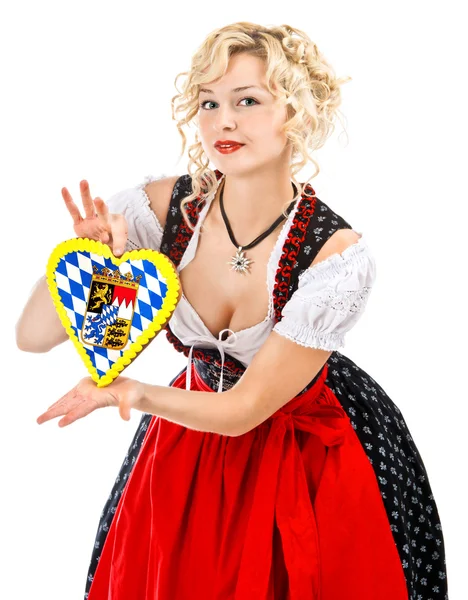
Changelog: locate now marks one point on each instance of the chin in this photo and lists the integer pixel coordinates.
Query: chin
(240, 168)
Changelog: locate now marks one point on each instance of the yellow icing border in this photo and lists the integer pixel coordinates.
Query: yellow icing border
(162, 263)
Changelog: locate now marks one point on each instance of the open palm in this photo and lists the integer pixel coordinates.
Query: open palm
(86, 397)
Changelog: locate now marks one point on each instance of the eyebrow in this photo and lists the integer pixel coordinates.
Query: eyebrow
(235, 90)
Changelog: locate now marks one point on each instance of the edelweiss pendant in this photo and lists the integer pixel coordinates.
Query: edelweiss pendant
(239, 262)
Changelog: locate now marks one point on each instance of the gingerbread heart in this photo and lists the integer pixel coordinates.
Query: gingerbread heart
(111, 307)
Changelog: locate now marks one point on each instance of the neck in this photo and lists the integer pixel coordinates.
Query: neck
(253, 201)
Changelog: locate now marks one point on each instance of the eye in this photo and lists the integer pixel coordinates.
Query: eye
(250, 99)
(202, 104)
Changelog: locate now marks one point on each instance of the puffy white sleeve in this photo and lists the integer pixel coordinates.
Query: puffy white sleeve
(330, 298)
(144, 228)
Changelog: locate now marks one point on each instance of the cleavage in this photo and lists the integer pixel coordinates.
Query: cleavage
(221, 297)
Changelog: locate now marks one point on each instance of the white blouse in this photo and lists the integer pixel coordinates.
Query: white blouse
(330, 297)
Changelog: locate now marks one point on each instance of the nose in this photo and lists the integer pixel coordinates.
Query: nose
(224, 118)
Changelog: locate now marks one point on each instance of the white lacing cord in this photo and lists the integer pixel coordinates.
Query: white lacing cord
(220, 344)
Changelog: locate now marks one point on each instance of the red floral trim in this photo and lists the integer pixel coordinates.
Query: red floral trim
(184, 233)
(291, 249)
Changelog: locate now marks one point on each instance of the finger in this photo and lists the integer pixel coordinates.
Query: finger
(88, 203)
(71, 206)
(77, 413)
(119, 232)
(101, 209)
(103, 213)
(50, 414)
(124, 410)
(61, 407)
(69, 395)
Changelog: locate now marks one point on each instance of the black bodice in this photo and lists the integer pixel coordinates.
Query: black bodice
(313, 224)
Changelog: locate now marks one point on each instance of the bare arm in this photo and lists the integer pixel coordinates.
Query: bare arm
(255, 397)
(39, 328)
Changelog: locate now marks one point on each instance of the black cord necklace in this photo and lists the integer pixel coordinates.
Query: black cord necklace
(239, 262)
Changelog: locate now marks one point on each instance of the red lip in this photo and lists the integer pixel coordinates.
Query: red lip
(229, 149)
(227, 142)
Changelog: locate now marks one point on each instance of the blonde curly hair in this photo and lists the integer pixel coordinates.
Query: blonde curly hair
(297, 75)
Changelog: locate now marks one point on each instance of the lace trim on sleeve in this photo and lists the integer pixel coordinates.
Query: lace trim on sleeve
(349, 301)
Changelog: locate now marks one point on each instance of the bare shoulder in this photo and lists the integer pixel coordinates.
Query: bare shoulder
(159, 193)
(336, 244)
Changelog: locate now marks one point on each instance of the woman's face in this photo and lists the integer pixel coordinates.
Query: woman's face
(251, 116)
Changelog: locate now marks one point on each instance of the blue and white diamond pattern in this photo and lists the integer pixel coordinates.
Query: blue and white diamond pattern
(109, 314)
(73, 276)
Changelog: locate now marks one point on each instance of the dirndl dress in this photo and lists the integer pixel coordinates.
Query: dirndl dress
(327, 499)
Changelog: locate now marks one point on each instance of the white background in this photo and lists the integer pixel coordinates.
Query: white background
(86, 95)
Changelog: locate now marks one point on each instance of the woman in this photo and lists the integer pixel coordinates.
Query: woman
(301, 479)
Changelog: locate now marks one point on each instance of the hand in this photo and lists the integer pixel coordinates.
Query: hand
(98, 224)
(86, 397)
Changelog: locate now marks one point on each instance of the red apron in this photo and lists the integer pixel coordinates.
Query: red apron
(291, 510)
